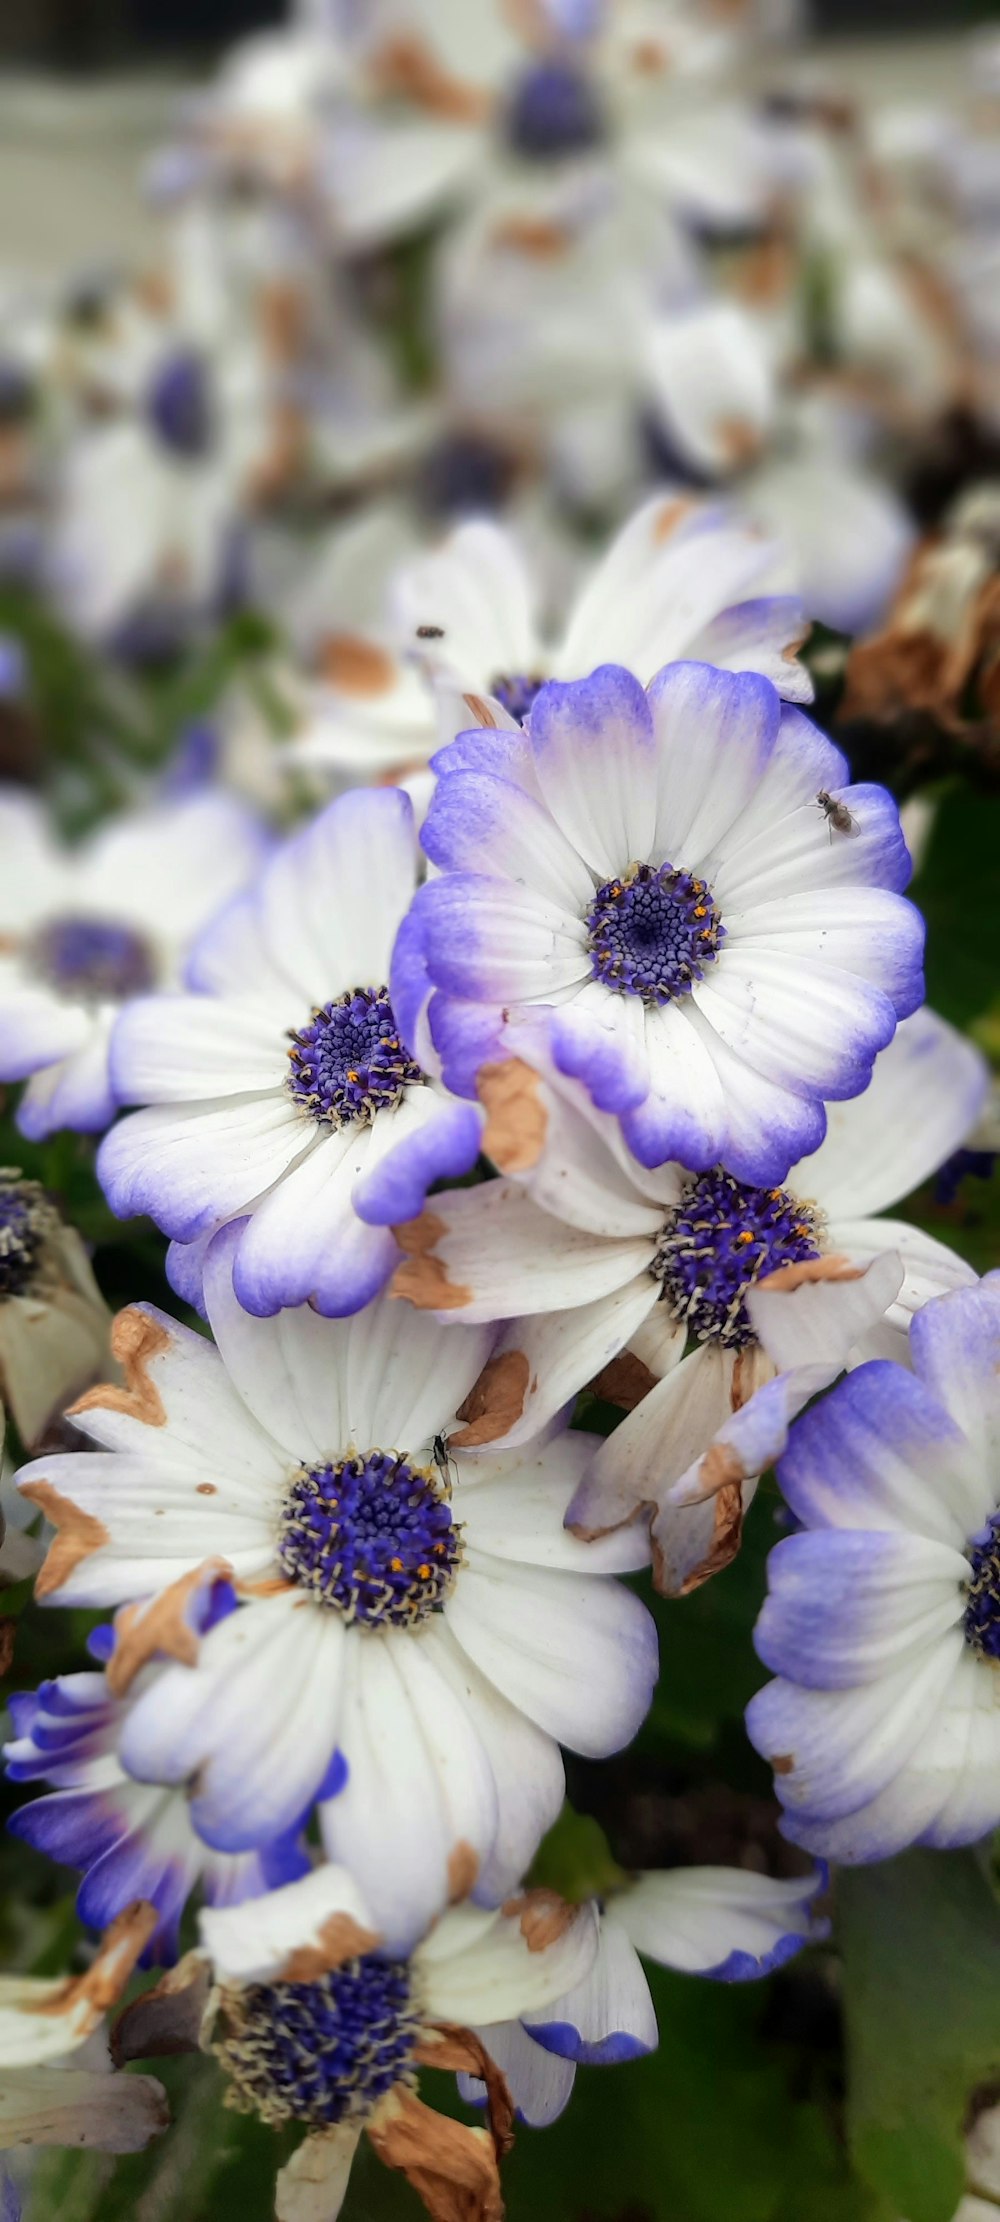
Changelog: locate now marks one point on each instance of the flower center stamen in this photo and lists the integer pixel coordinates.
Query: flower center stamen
(981, 1621)
(721, 1238)
(653, 932)
(321, 2052)
(179, 405)
(349, 1062)
(554, 110)
(373, 1537)
(93, 960)
(516, 690)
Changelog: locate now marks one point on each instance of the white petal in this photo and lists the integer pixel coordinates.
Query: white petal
(528, 1954)
(252, 1942)
(573, 1651)
(312, 2186)
(697, 1918)
(417, 1777)
(926, 1093)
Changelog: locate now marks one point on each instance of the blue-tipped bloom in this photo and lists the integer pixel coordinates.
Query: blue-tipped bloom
(280, 1090)
(82, 930)
(130, 1839)
(719, 1922)
(654, 871)
(882, 1619)
(415, 1632)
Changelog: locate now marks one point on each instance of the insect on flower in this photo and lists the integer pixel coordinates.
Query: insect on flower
(837, 815)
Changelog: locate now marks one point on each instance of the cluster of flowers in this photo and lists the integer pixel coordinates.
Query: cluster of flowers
(565, 1063)
(628, 265)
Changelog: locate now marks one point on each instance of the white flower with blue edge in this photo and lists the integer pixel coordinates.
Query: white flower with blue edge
(882, 1619)
(131, 1839)
(683, 577)
(315, 2019)
(83, 929)
(416, 1632)
(670, 1263)
(655, 871)
(279, 1089)
(723, 1923)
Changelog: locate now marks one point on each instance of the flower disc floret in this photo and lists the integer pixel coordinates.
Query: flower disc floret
(554, 110)
(373, 1537)
(25, 1221)
(653, 932)
(93, 960)
(322, 2052)
(981, 1621)
(180, 406)
(349, 1062)
(516, 691)
(723, 1237)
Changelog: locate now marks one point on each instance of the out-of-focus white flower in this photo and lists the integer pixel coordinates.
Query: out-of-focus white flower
(465, 630)
(56, 2082)
(85, 929)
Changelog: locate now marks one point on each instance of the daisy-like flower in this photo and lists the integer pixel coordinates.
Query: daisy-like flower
(316, 2019)
(667, 1263)
(720, 1922)
(416, 1631)
(280, 1087)
(882, 1619)
(85, 929)
(682, 578)
(54, 1322)
(56, 2083)
(131, 1839)
(657, 872)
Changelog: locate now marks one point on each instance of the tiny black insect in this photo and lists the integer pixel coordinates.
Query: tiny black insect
(430, 632)
(439, 1453)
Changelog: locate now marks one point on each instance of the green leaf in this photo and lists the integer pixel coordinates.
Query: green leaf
(921, 1943)
(958, 891)
(575, 1859)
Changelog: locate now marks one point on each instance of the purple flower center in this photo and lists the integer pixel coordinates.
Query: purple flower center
(554, 110)
(25, 1219)
(321, 2052)
(981, 1622)
(96, 960)
(722, 1238)
(516, 690)
(179, 406)
(653, 932)
(349, 1062)
(371, 1536)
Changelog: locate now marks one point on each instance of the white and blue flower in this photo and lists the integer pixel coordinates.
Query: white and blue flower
(683, 577)
(82, 930)
(279, 1089)
(655, 871)
(416, 1632)
(723, 1923)
(674, 1265)
(131, 1839)
(882, 1619)
(316, 2019)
